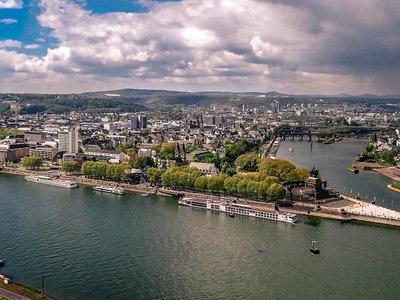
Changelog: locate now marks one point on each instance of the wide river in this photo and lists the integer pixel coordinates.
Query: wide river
(94, 246)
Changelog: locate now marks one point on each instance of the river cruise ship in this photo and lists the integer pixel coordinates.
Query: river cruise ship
(52, 181)
(232, 208)
(110, 190)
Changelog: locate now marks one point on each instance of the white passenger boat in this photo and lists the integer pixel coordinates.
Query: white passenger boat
(52, 181)
(239, 209)
(111, 190)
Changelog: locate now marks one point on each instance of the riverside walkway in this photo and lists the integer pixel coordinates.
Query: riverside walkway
(11, 295)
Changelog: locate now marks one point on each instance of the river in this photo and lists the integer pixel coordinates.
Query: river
(96, 246)
(332, 161)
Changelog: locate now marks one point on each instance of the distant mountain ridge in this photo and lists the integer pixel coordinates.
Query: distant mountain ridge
(147, 96)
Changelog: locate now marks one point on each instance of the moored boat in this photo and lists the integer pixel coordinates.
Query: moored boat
(52, 181)
(231, 208)
(110, 190)
(2, 262)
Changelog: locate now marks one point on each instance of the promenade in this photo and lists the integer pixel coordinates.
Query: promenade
(11, 295)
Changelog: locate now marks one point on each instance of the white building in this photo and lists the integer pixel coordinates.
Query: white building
(63, 141)
(73, 140)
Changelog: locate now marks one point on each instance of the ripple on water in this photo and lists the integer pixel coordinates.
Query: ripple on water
(93, 246)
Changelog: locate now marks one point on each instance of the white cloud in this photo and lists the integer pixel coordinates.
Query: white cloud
(31, 46)
(10, 44)
(294, 46)
(8, 21)
(11, 4)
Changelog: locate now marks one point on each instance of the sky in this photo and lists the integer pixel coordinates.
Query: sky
(290, 46)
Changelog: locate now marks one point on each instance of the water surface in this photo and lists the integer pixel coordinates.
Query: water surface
(332, 161)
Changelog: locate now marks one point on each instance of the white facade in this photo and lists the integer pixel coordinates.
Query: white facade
(63, 141)
(73, 140)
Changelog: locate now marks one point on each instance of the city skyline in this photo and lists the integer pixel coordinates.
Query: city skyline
(294, 47)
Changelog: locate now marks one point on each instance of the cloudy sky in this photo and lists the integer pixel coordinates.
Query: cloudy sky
(292, 46)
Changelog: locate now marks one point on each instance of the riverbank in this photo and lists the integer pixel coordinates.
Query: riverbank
(357, 209)
(16, 291)
(378, 168)
(392, 188)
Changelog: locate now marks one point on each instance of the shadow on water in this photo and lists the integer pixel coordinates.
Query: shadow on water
(312, 221)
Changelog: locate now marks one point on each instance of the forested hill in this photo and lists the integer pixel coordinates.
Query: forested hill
(58, 104)
(132, 100)
(230, 98)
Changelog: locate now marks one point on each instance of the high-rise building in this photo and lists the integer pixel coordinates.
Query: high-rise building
(73, 140)
(142, 121)
(133, 122)
(63, 141)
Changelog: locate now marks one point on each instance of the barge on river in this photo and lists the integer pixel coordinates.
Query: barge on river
(232, 208)
(110, 190)
(52, 181)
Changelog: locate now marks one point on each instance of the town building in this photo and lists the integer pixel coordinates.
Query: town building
(205, 168)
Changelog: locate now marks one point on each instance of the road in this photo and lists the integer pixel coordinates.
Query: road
(10, 295)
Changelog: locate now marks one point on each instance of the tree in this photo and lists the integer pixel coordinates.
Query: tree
(252, 188)
(12, 132)
(228, 169)
(71, 166)
(143, 162)
(154, 175)
(242, 187)
(32, 162)
(230, 184)
(276, 192)
(275, 167)
(247, 162)
(297, 175)
(181, 177)
(125, 147)
(282, 129)
(105, 171)
(210, 158)
(234, 149)
(201, 183)
(215, 183)
(167, 150)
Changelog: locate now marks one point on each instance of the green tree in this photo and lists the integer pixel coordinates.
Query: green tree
(247, 162)
(231, 183)
(275, 167)
(125, 147)
(297, 175)
(32, 162)
(242, 187)
(201, 183)
(253, 188)
(215, 183)
(276, 192)
(154, 175)
(143, 162)
(71, 166)
(167, 150)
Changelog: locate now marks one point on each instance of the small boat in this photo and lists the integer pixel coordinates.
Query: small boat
(314, 249)
(231, 216)
(353, 170)
(111, 190)
(2, 262)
